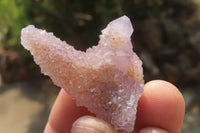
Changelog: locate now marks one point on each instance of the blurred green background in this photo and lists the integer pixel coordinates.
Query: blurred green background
(166, 37)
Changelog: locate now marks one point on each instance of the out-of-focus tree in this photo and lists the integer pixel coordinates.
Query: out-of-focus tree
(85, 18)
(12, 19)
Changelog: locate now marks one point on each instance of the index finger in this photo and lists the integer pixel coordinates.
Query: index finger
(64, 113)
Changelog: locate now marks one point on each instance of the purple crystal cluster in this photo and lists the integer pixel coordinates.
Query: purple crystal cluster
(107, 78)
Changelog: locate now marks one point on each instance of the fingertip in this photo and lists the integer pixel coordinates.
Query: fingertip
(89, 124)
(167, 91)
(161, 105)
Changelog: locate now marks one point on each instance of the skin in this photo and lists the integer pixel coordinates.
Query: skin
(160, 106)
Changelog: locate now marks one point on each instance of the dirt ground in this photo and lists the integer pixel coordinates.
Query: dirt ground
(25, 106)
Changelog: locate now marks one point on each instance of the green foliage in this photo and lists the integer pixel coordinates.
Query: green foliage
(12, 19)
(77, 17)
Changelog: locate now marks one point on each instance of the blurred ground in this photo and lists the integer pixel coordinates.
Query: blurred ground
(25, 106)
(192, 115)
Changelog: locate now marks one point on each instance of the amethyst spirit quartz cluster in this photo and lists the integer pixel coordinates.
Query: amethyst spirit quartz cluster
(107, 78)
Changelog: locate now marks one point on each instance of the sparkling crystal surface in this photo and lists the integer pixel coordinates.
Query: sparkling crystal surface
(107, 78)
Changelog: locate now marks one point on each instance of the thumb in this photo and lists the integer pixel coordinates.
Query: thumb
(89, 124)
(152, 130)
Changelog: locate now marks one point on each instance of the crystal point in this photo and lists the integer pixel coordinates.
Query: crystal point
(107, 78)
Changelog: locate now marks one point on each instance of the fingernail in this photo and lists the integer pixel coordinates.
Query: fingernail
(80, 129)
(89, 124)
(48, 129)
(152, 130)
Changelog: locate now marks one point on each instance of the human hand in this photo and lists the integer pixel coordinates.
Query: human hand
(161, 109)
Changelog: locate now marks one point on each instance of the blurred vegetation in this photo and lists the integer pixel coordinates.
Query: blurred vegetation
(77, 17)
(168, 46)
